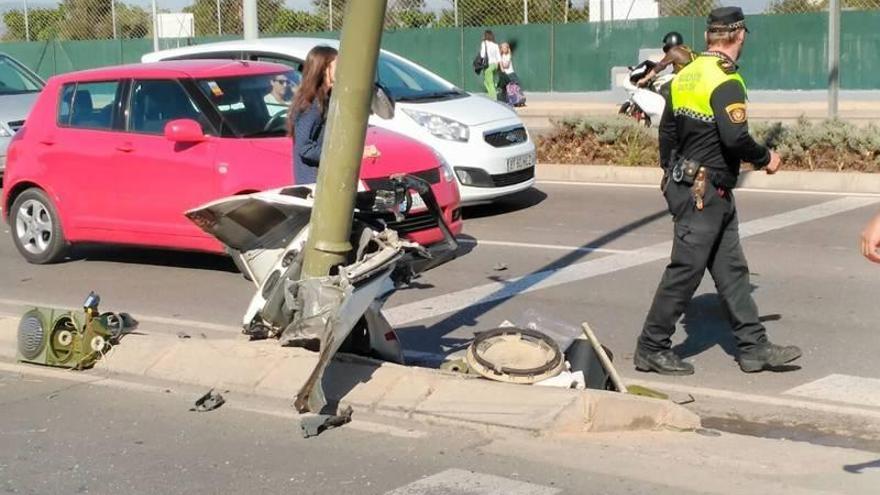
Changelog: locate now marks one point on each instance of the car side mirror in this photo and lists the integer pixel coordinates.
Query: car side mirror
(184, 131)
(382, 104)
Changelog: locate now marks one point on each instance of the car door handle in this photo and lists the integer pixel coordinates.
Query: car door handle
(47, 141)
(125, 147)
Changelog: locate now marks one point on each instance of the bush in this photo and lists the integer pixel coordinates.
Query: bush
(599, 140)
(828, 145)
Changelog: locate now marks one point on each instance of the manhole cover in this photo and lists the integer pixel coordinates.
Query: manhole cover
(515, 355)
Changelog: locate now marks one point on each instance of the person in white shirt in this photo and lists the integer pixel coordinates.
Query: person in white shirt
(490, 51)
(278, 99)
(507, 64)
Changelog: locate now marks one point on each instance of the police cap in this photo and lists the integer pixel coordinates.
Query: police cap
(726, 19)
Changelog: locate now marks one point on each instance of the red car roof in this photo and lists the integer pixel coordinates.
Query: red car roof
(175, 69)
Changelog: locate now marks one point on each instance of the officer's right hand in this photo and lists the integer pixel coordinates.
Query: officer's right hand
(775, 163)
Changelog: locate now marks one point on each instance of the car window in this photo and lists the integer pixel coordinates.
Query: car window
(65, 102)
(252, 105)
(405, 81)
(155, 103)
(91, 105)
(294, 64)
(15, 79)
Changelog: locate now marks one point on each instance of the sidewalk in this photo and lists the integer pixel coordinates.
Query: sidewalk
(266, 369)
(860, 107)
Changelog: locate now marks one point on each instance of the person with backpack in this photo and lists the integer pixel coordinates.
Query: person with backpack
(511, 91)
(488, 61)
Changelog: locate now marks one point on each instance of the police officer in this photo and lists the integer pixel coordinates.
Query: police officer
(704, 136)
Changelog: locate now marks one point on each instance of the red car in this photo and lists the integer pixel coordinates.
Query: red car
(118, 154)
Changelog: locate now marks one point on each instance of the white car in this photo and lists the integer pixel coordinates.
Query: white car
(485, 141)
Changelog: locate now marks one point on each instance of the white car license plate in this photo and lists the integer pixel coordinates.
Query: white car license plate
(520, 162)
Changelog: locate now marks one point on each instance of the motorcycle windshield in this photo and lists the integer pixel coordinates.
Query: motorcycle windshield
(264, 220)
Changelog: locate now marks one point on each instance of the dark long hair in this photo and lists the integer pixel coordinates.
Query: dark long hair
(312, 88)
(488, 35)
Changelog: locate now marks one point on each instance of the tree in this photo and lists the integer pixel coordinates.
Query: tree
(408, 14)
(686, 8)
(290, 21)
(42, 23)
(797, 6)
(86, 20)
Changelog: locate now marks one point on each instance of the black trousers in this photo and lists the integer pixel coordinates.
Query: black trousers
(703, 239)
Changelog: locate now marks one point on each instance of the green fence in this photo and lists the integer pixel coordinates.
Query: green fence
(785, 52)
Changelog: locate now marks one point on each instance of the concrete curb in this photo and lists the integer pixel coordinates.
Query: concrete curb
(835, 182)
(266, 369)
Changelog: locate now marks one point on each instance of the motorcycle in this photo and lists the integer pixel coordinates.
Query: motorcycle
(645, 105)
(267, 233)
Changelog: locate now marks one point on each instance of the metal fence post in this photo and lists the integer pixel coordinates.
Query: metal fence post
(565, 15)
(455, 10)
(331, 15)
(155, 26)
(251, 25)
(27, 24)
(113, 17)
(833, 57)
(525, 11)
(219, 22)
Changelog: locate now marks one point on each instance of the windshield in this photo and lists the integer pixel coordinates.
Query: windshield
(15, 79)
(252, 106)
(405, 81)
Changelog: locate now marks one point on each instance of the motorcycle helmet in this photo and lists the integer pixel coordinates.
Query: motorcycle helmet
(672, 38)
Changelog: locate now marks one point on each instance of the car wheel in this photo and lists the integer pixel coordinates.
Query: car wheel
(36, 228)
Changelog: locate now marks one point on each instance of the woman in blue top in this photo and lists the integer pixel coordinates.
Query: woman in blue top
(309, 114)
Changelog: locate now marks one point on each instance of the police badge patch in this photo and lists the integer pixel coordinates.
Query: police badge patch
(736, 112)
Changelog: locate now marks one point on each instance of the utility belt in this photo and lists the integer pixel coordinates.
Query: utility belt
(690, 173)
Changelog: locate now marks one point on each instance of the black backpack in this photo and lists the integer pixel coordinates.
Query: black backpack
(481, 62)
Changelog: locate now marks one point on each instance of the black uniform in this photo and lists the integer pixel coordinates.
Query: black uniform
(704, 131)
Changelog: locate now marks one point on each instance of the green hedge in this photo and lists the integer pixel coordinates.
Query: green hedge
(828, 145)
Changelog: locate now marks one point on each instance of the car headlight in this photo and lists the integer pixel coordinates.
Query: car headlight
(439, 126)
(5, 131)
(445, 167)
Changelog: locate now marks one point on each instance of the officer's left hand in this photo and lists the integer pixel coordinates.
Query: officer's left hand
(871, 239)
(775, 163)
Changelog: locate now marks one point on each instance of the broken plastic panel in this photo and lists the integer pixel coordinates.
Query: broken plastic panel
(266, 232)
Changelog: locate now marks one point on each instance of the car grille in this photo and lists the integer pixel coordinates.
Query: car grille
(414, 223)
(507, 137)
(432, 176)
(15, 125)
(512, 178)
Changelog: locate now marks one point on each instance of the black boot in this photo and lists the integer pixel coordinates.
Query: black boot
(767, 356)
(664, 362)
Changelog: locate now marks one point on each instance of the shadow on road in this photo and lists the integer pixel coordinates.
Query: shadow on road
(508, 204)
(434, 338)
(858, 468)
(155, 257)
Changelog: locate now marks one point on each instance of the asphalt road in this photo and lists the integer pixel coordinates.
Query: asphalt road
(558, 255)
(61, 436)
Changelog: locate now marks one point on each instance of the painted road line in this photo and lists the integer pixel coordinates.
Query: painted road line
(527, 245)
(162, 320)
(738, 189)
(461, 482)
(848, 389)
(487, 293)
(766, 400)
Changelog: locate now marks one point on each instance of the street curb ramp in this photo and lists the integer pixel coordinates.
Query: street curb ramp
(266, 369)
